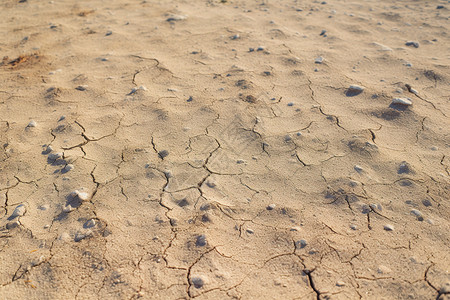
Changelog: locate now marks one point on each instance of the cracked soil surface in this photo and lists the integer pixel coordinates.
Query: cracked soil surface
(203, 149)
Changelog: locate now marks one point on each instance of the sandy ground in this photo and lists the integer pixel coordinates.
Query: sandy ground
(215, 150)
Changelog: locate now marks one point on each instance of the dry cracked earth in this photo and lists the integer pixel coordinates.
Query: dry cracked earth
(212, 150)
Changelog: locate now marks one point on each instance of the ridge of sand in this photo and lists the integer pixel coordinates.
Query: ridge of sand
(215, 150)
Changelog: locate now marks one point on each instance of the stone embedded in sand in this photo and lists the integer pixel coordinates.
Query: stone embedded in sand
(413, 44)
(401, 101)
(19, 211)
(353, 227)
(13, 224)
(250, 231)
(301, 244)
(68, 168)
(201, 241)
(340, 283)
(162, 154)
(82, 195)
(404, 168)
(271, 206)
(358, 169)
(68, 208)
(47, 150)
(354, 90)
(90, 223)
(32, 123)
(135, 89)
(318, 60)
(174, 18)
(383, 270)
(235, 37)
(416, 212)
(81, 88)
(55, 156)
(198, 282)
(426, 202)
(388, 227)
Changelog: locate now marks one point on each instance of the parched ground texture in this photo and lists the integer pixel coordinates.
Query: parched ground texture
(148, 152)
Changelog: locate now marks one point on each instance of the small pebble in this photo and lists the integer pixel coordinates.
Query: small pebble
(135, 89)
(201, 241)
(62, 118)
(32, 124)
(389, 227)
(43, 207)
(260, 48)
(322, 33)
(46, 226)
(190, 99)
(162, 154)
(68, 168)
(404, 168)
(235, 37)
(47, 150)
(271, 206)
(198, 282)
(402, 101)
(426, 202)
(301, 243)
(318, 60)
(55, 156)
(290, 104)
(416, 212)
(383, 270)
(299, 134)
(440, 7)
(83, 196)
(68, 208)
(287, 138)
(353, 227)
(109, 32)
(340, 283)
(413, 44)
(81, 88)
(19, 211)
(173, 18)
(358, 168)
(13, 224)
(354, 90)
(250, 231)
(90, 223)
(251, 49)
(434, 148)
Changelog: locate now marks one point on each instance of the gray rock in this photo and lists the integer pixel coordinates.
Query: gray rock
(412, 44)
(426, 202)
(201, 241)
(318, 60)
(19, 211)
(198, 282)
(354, 90)
(32, 123)
(271, 206)
(301, 244)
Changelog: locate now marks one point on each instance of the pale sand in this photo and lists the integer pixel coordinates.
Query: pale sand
(173, 174)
